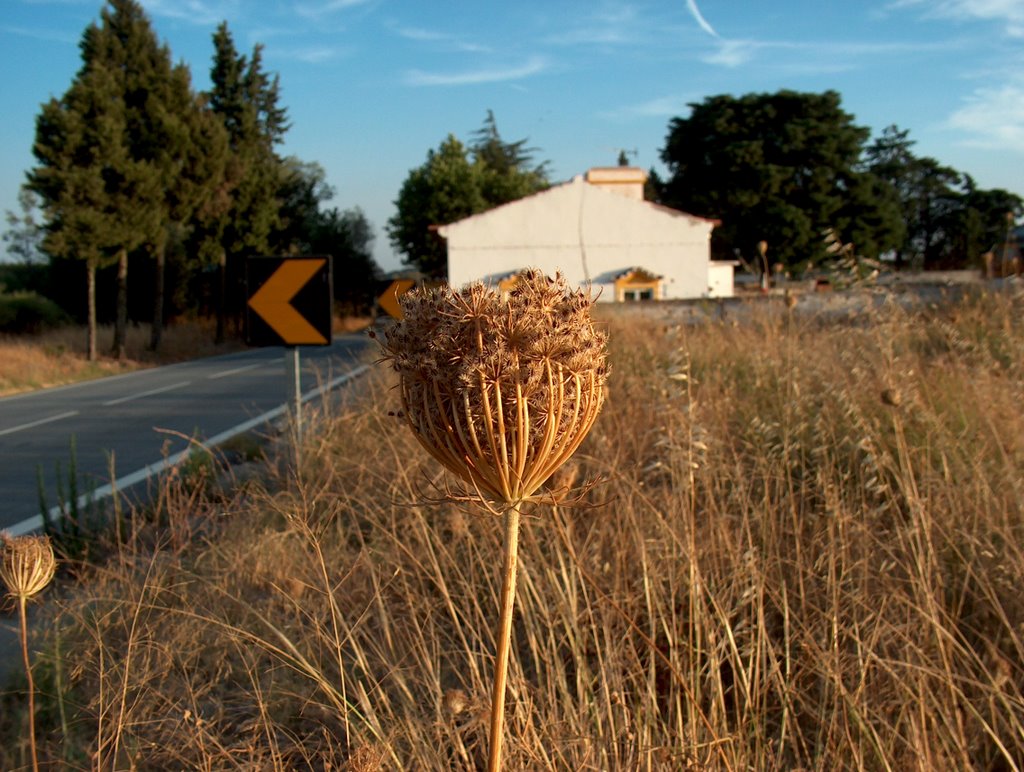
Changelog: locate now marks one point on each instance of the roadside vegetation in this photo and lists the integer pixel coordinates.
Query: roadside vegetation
(57, 356)
(805, 553)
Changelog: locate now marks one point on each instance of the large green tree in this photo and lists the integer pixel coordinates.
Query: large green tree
(99, 199)
(155, 158)
(348, 236)
(309, 227)
(246, 100)
(303, 190)
(507, 169)
(869, 220)
(986, 217)
(153, 93)
(192, 156)
(780, 168)
(949, 221)
(444, 189)
(454, 182)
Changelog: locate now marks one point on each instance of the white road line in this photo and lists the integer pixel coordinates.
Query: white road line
(35, 523)
(226, 373)
(40, 422)
(149, 393)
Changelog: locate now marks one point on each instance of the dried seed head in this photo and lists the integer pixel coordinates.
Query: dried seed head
(455, 701)
(27, 564)
(501, 389)
(892, 397)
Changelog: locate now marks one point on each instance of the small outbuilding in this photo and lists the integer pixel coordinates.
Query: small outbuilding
(596, 230)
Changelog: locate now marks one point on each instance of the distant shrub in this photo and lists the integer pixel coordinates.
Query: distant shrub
(29, 312)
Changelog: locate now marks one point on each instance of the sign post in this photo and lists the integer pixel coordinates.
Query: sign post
(293, 375)
(289, 305)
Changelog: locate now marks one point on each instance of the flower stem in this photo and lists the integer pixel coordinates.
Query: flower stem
(508, 597)
(22, 600)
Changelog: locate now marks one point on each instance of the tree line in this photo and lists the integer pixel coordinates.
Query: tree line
(793, 170)
(790, 177)
(135, 168)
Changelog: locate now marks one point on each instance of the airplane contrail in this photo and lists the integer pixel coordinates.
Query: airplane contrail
(699, 18)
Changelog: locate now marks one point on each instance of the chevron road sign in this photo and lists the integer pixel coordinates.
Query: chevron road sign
(389, 299)
(289, 301)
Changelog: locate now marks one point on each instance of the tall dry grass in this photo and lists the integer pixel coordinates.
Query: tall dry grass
(807, 555)
(56, 357)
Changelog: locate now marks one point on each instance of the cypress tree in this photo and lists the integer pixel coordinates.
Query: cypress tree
(507, 171)
(98, 200)
(245, 98)
(193, 160)
(125, 44)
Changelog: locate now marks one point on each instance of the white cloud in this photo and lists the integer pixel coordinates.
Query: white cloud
(728, 53)
(327, 7)
(310, 55)
(532, 66)
(48, 35)
(1008, 12)
(585, 36)
(612, 25)
(993, 118)
(449, 41)
(819, 55)
(57, 2)
(691, 6)
(616, 13)
(659, 107)
(732, 53)
(418, 33)
(200, 12)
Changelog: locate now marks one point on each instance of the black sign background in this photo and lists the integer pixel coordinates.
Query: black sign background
(312, 301)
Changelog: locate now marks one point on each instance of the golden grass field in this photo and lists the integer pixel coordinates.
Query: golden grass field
(805, 553)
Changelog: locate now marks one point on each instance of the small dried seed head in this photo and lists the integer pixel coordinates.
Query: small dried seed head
(892, 397)
(455, 701)
(27, 564)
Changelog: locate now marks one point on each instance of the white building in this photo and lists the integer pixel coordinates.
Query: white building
(596, 230)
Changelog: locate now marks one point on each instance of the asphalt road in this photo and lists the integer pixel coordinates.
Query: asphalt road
(137, 418)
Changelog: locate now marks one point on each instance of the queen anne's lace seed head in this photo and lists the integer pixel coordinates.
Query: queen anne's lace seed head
(27, 564)
(501, 389)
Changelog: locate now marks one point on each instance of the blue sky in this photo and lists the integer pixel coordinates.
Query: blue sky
(372, 85)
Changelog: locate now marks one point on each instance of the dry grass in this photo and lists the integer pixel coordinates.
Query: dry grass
(57, 357)
(789, 571)
(343, 324)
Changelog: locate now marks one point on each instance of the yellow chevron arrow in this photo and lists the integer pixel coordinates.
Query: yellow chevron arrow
(273, 302)
(389, 300)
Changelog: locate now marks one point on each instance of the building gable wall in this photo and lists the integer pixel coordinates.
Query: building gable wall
(589, 234)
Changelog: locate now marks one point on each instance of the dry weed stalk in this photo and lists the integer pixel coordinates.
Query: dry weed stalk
(501, 390)
(27, 566)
